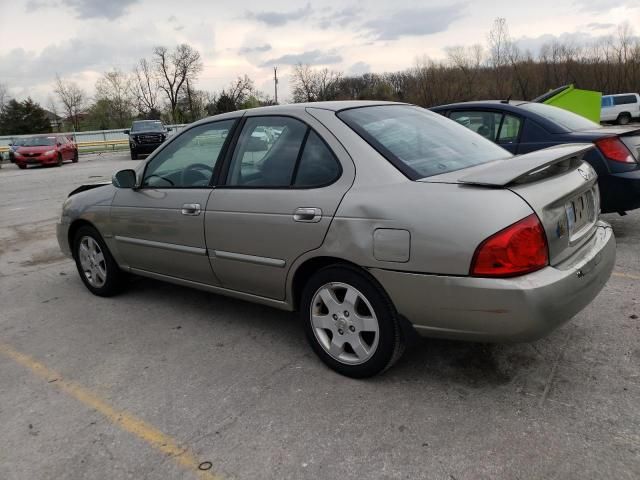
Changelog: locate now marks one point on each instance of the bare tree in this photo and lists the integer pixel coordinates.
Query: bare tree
(173, 69)
(144, 87)
(73, 99)
(53, 108)
(114, 87)
(241, 89)
(4, 96)
(311, 85)
(469, 61)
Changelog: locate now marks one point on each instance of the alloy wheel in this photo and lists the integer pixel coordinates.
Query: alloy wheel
(344, 323)
(92, 262)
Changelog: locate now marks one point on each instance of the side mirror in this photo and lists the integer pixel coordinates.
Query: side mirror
(10, 144)
(169, 129)
(126, 132)
(58, 144)
(124, 179)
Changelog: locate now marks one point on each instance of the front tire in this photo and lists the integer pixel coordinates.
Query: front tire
(134, 155)
(350, 322)
(97, 268)
(59, 164)
(75, 157)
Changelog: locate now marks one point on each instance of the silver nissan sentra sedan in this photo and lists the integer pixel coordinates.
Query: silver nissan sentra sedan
(371, 219)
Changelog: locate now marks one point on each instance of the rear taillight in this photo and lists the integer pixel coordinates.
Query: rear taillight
(518, 249)
(613, 149)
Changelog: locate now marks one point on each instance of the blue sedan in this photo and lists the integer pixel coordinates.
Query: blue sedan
(522, 127)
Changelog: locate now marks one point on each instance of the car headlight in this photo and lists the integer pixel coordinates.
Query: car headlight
(50, 152)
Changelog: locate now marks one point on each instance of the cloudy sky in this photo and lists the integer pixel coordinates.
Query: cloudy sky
(79, 39)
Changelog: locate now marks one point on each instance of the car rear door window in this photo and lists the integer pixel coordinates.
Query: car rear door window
(624, 99)
(267, 152)
(318, 166)
(510, 129)
(483, 123)
(189, 160)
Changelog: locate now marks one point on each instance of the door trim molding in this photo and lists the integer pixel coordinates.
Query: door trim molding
(241, 257)
(279, 304)
(165, 246)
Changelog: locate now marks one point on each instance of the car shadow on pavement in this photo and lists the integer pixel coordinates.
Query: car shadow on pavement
(468, 364)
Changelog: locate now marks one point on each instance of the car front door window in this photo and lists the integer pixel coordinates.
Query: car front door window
(188, 161)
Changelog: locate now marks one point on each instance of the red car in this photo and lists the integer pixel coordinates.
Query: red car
(45, 150)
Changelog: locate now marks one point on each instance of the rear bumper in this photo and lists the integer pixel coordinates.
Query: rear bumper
(516, 309)
(620, 192)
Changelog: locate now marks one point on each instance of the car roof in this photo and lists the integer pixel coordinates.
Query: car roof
(483, 103)
(292, 108)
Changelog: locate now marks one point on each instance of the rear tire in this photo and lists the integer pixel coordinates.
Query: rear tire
(350, 322)
(98, 270)
(21, 167)
(623, 119)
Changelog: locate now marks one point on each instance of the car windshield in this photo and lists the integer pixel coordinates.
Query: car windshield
(418, 142)
(146, 126)
(38, 141)
(569, 120)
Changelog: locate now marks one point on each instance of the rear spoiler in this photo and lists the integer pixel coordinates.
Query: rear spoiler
(501, 173)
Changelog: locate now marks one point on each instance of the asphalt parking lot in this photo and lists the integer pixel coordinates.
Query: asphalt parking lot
(160, 380)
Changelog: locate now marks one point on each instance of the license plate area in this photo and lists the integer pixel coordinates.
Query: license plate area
(581, 214)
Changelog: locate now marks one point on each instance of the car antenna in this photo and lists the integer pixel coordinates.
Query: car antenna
(507, 100)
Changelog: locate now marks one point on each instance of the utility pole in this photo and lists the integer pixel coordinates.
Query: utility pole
(275, 82)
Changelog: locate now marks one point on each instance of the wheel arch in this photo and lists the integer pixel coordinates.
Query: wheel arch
(308, 267)
(73, 229)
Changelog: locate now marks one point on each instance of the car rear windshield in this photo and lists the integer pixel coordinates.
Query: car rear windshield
(39, 141)
(418, 142)
(151, 125)
(569, 120)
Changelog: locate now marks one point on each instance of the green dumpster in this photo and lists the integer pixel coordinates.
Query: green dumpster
(586, 103)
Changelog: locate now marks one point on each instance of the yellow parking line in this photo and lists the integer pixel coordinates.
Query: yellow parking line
(154, 437)
(626, 275)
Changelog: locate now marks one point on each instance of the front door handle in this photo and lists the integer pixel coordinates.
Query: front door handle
(191, 209)
(309, 215)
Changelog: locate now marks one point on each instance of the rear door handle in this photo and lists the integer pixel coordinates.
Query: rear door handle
(307, 214)
(191, 209)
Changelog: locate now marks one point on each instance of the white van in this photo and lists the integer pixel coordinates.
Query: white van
(620, 108)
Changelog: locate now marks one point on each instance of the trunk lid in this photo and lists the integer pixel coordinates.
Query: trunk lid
(555, 182)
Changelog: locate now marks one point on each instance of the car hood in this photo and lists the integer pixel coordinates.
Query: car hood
(89, 186)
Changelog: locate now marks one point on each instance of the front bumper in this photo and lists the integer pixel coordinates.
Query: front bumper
(516, 309)
(143, 147)
(62, 232)
(40, 160)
